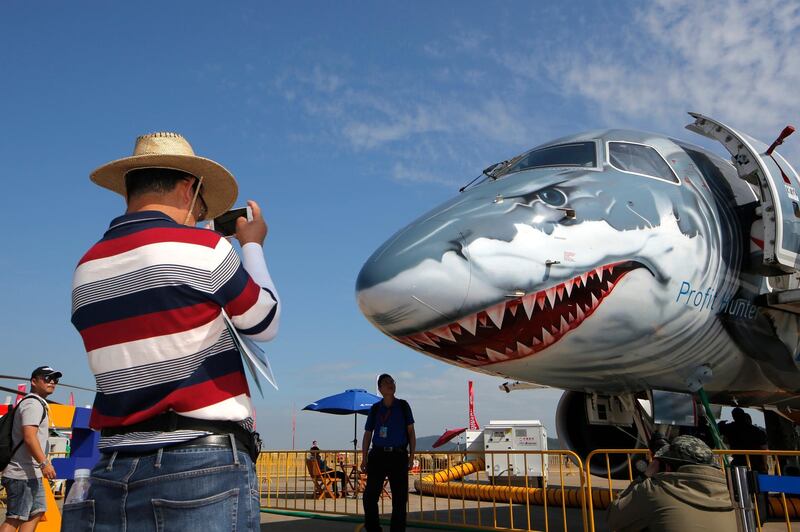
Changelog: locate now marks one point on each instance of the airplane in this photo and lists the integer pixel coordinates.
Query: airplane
(624, 267)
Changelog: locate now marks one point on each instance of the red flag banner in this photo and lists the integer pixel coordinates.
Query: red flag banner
(473, 421)
(21, 390)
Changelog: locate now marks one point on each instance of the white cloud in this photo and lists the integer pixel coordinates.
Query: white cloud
(428, 132)
(399, 126)
(735, 61)
(324, 81)
(493, 118)
(471, 99)
(403, 173)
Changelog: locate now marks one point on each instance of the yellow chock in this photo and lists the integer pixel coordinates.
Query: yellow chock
(51, 520)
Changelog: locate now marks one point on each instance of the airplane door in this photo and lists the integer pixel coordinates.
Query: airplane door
(779, 184)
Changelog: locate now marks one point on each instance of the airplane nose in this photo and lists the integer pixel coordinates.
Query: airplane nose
(416, 279)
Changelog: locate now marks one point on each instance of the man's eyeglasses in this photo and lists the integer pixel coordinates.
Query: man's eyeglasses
(48, 379)
(201, 214)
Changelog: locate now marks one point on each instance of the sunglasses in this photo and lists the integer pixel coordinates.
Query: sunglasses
(49, 379)
(202, 207)
(203, 211)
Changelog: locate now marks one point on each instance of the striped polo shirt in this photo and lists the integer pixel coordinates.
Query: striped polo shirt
(147, 300)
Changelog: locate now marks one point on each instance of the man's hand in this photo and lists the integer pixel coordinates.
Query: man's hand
(364, 465)
(652, 468)
(48, 471)
(254, 231)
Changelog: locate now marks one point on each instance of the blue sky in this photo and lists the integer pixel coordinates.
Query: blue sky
(346, 121)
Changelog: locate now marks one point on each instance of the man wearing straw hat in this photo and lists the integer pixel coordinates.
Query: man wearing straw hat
(150, 300)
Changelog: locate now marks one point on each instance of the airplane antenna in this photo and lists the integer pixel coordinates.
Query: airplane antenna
(788, 130)
(488, 172)
(462, 189)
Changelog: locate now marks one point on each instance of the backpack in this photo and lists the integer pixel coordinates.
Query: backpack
(7, 447)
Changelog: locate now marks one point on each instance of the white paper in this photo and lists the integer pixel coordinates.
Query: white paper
(253, 356)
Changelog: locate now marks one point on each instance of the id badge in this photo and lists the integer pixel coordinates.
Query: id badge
(384, 432)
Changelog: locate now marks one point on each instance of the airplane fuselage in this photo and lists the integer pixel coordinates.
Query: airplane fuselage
(609, 261)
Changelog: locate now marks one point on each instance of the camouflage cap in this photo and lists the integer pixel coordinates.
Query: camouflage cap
(686, 450)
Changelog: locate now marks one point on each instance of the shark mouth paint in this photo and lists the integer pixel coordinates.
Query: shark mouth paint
(522, 326)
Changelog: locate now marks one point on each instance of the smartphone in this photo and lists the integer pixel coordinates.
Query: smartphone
(225, 223)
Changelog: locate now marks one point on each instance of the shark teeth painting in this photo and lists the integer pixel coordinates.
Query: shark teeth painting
(505, 333)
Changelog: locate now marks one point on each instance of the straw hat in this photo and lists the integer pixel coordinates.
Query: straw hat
(171, 150)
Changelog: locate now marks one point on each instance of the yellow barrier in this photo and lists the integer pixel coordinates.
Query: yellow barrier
(454, 489)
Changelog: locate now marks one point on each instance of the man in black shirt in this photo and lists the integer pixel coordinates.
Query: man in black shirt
(390, 430)
(743, 435)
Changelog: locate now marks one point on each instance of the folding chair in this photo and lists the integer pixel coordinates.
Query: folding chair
(323, 482)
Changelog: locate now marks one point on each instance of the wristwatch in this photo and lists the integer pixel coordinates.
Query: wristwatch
(45, 463)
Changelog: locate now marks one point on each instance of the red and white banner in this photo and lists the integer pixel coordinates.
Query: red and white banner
(473, 421)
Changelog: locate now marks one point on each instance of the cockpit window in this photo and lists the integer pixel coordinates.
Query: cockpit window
(640, 159)
(580, 154)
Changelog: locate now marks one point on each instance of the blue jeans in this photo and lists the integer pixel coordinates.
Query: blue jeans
(25, 498)
(195, 488)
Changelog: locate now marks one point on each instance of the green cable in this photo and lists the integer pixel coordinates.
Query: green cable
(712, 423)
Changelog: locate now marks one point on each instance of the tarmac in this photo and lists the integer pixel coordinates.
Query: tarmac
(296, 511)
(300, 524)
(333, 523)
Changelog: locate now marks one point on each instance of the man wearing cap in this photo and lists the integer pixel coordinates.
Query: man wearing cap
(22, 478)
(156, 302)
(683, 489)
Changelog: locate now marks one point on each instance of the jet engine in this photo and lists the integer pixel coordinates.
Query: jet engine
(586, 422)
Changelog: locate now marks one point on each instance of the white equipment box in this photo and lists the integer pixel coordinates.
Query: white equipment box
(512, 435)
(474, 441)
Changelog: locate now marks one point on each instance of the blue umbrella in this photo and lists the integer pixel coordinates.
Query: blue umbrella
(348, 402)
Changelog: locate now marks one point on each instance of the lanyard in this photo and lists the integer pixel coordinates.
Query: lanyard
(385, 416)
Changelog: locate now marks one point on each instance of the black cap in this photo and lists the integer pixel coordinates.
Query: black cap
(45, 371)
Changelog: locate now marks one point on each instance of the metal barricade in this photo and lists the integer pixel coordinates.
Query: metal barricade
(777, 506)
(449, 489)
(288, 480)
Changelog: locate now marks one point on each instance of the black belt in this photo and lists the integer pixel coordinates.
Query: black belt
(390, 449)
(170, 422)
(213, 440)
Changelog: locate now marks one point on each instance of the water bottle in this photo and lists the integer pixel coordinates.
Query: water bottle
(80, 488)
